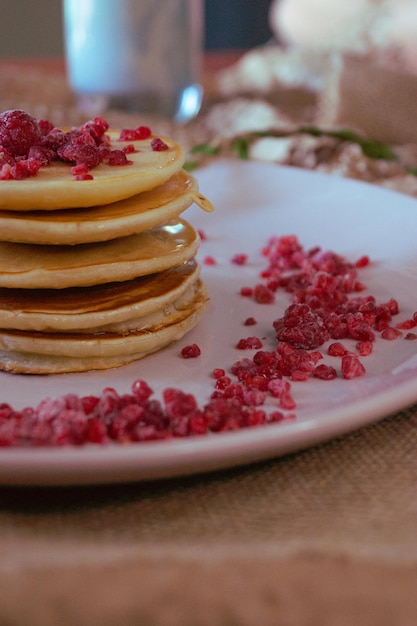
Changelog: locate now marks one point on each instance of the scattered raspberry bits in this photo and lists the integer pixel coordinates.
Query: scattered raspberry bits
(323, 334)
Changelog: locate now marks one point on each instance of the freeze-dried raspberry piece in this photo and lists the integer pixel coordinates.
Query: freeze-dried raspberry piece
(301, 327)
(191, 352)
(249, 343)
(80, 152)
(158, 145)
(135, 134)
(18, 132)
(352, 367)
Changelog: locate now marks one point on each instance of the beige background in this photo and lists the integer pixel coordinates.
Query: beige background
(29, 27)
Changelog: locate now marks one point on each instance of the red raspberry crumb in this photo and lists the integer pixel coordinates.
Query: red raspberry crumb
(141, 390)
(25, 168)
(239, 259)
(135, 134)
(191, 352)
(250, 343)
(263, 295)
(89, 403)
(299, 376)
(363, 261)
(179, 404)
(390, 333)
(158, 145)
(336, 349)
(84, 177)
(352, 367)
(287, 402)
(77, 170)
(81, 149)
(223, 382)
(365, 348)
(95, 431)
(276, 416)
(324, 372)
(250, 321)
(393, 307)
(406, 324)
(247, 292)
(209, 260)
(129, 149)
(118, 157)
(45, 127)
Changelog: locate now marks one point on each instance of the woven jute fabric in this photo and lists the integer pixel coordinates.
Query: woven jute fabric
(322, 537)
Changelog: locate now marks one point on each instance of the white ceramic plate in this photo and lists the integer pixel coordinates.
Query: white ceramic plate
(253, 201)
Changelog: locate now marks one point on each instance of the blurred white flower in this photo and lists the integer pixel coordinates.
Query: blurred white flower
(348, 25)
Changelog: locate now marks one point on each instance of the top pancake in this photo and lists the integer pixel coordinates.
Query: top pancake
(54, 187)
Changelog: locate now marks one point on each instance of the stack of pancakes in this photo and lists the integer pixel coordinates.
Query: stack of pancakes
(98, 273)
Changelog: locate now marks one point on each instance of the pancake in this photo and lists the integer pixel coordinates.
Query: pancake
(85, 308)
(55, 188)
(53, 353)
(119, 219)
(95, 274)
(27, 266)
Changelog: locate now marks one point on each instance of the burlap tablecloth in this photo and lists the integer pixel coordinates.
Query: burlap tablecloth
(324, 537)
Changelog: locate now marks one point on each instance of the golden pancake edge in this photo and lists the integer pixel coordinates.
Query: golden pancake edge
(97, 306)
(107, 221)
(27, 266)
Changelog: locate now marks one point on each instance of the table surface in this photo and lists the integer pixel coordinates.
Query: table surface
(325, 536)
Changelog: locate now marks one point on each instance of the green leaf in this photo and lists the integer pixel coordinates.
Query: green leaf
(241, 146)
(190, 166)
(205, 149)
